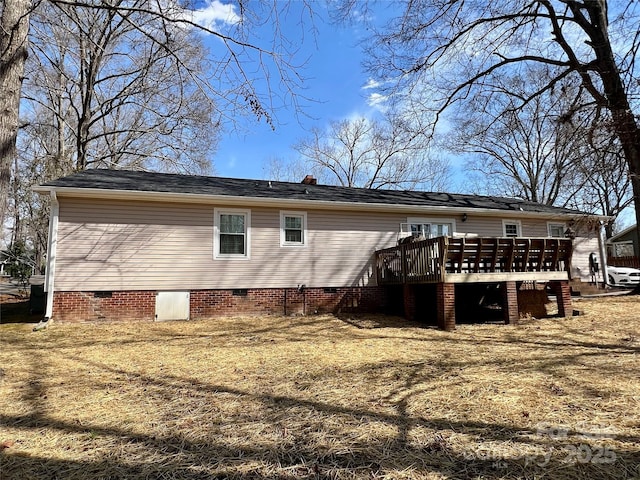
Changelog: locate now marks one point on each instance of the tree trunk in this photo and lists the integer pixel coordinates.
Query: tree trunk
(14, 27)
(624, 122)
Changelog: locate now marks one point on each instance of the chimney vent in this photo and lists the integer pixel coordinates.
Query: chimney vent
(309, 180)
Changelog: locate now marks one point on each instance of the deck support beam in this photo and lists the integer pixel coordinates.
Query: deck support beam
(510, 310)
(562, 291)
(446, 304)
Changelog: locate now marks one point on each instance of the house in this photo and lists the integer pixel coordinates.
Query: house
(128, 245)
(624, 244)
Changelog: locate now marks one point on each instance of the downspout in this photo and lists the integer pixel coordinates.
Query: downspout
(603, 255)
(51, 260)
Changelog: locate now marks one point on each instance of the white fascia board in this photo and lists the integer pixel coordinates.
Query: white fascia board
(293, 203)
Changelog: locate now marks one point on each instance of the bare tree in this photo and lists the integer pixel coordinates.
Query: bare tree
(538, 153)
(29, 211)
(372, 154)
(439, 54)
(249, 74)
(116, 97)
(607, 189)
(99, 93)
(286, 170)
(527, 151)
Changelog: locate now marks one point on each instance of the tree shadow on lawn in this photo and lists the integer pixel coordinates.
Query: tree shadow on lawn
(249, 332)
(366, 321)
(175, 454)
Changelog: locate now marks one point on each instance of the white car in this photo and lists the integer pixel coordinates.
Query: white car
(623, 276)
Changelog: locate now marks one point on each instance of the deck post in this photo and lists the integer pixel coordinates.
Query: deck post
(510, 310)
(409, 301)
(563, 297)
(446, 304)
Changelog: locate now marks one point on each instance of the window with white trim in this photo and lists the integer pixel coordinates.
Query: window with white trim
(428, 228)
(231, 233)
(293, 229)
(511, 228)
(556, 230)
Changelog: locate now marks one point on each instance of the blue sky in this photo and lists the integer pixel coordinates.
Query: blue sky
(335, 82)
(335, 85)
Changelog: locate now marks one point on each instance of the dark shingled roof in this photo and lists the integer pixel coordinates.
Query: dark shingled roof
(190, 184)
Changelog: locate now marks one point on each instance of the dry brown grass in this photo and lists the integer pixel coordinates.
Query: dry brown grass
(322, 397)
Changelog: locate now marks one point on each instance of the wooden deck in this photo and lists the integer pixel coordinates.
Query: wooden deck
(474, 260)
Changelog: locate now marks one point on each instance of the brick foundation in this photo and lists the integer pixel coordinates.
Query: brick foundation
(563, 296)
(446, 300)
(140, 305)
(510, 302)
(109, 306)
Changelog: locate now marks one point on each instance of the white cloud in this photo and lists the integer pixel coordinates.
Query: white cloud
(377, 101)
(371, 83)
(216, 14)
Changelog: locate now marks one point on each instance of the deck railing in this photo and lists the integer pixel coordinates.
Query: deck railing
(431, 260)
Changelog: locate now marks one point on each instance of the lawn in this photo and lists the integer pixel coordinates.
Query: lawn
(324, 397)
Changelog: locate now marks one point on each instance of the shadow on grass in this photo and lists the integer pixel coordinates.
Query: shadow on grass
(498, 450)
(175, 455)
(375, 321)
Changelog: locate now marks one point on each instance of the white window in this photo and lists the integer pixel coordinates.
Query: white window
(511, 228)
(293, 229)
(231, 233)
(623, 249)
(556, 230)
(428, 228)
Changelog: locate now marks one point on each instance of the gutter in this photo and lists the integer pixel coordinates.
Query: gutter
(49, 283)
(231, 200)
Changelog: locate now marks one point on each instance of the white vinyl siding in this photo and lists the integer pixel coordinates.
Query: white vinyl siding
(583, 246)
(119, 245)
(126, 245)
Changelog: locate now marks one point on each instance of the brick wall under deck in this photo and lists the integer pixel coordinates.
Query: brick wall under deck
(287, 301)
(140, 305)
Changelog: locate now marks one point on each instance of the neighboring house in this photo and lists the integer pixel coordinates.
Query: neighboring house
(624, 244)
(138, 246)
